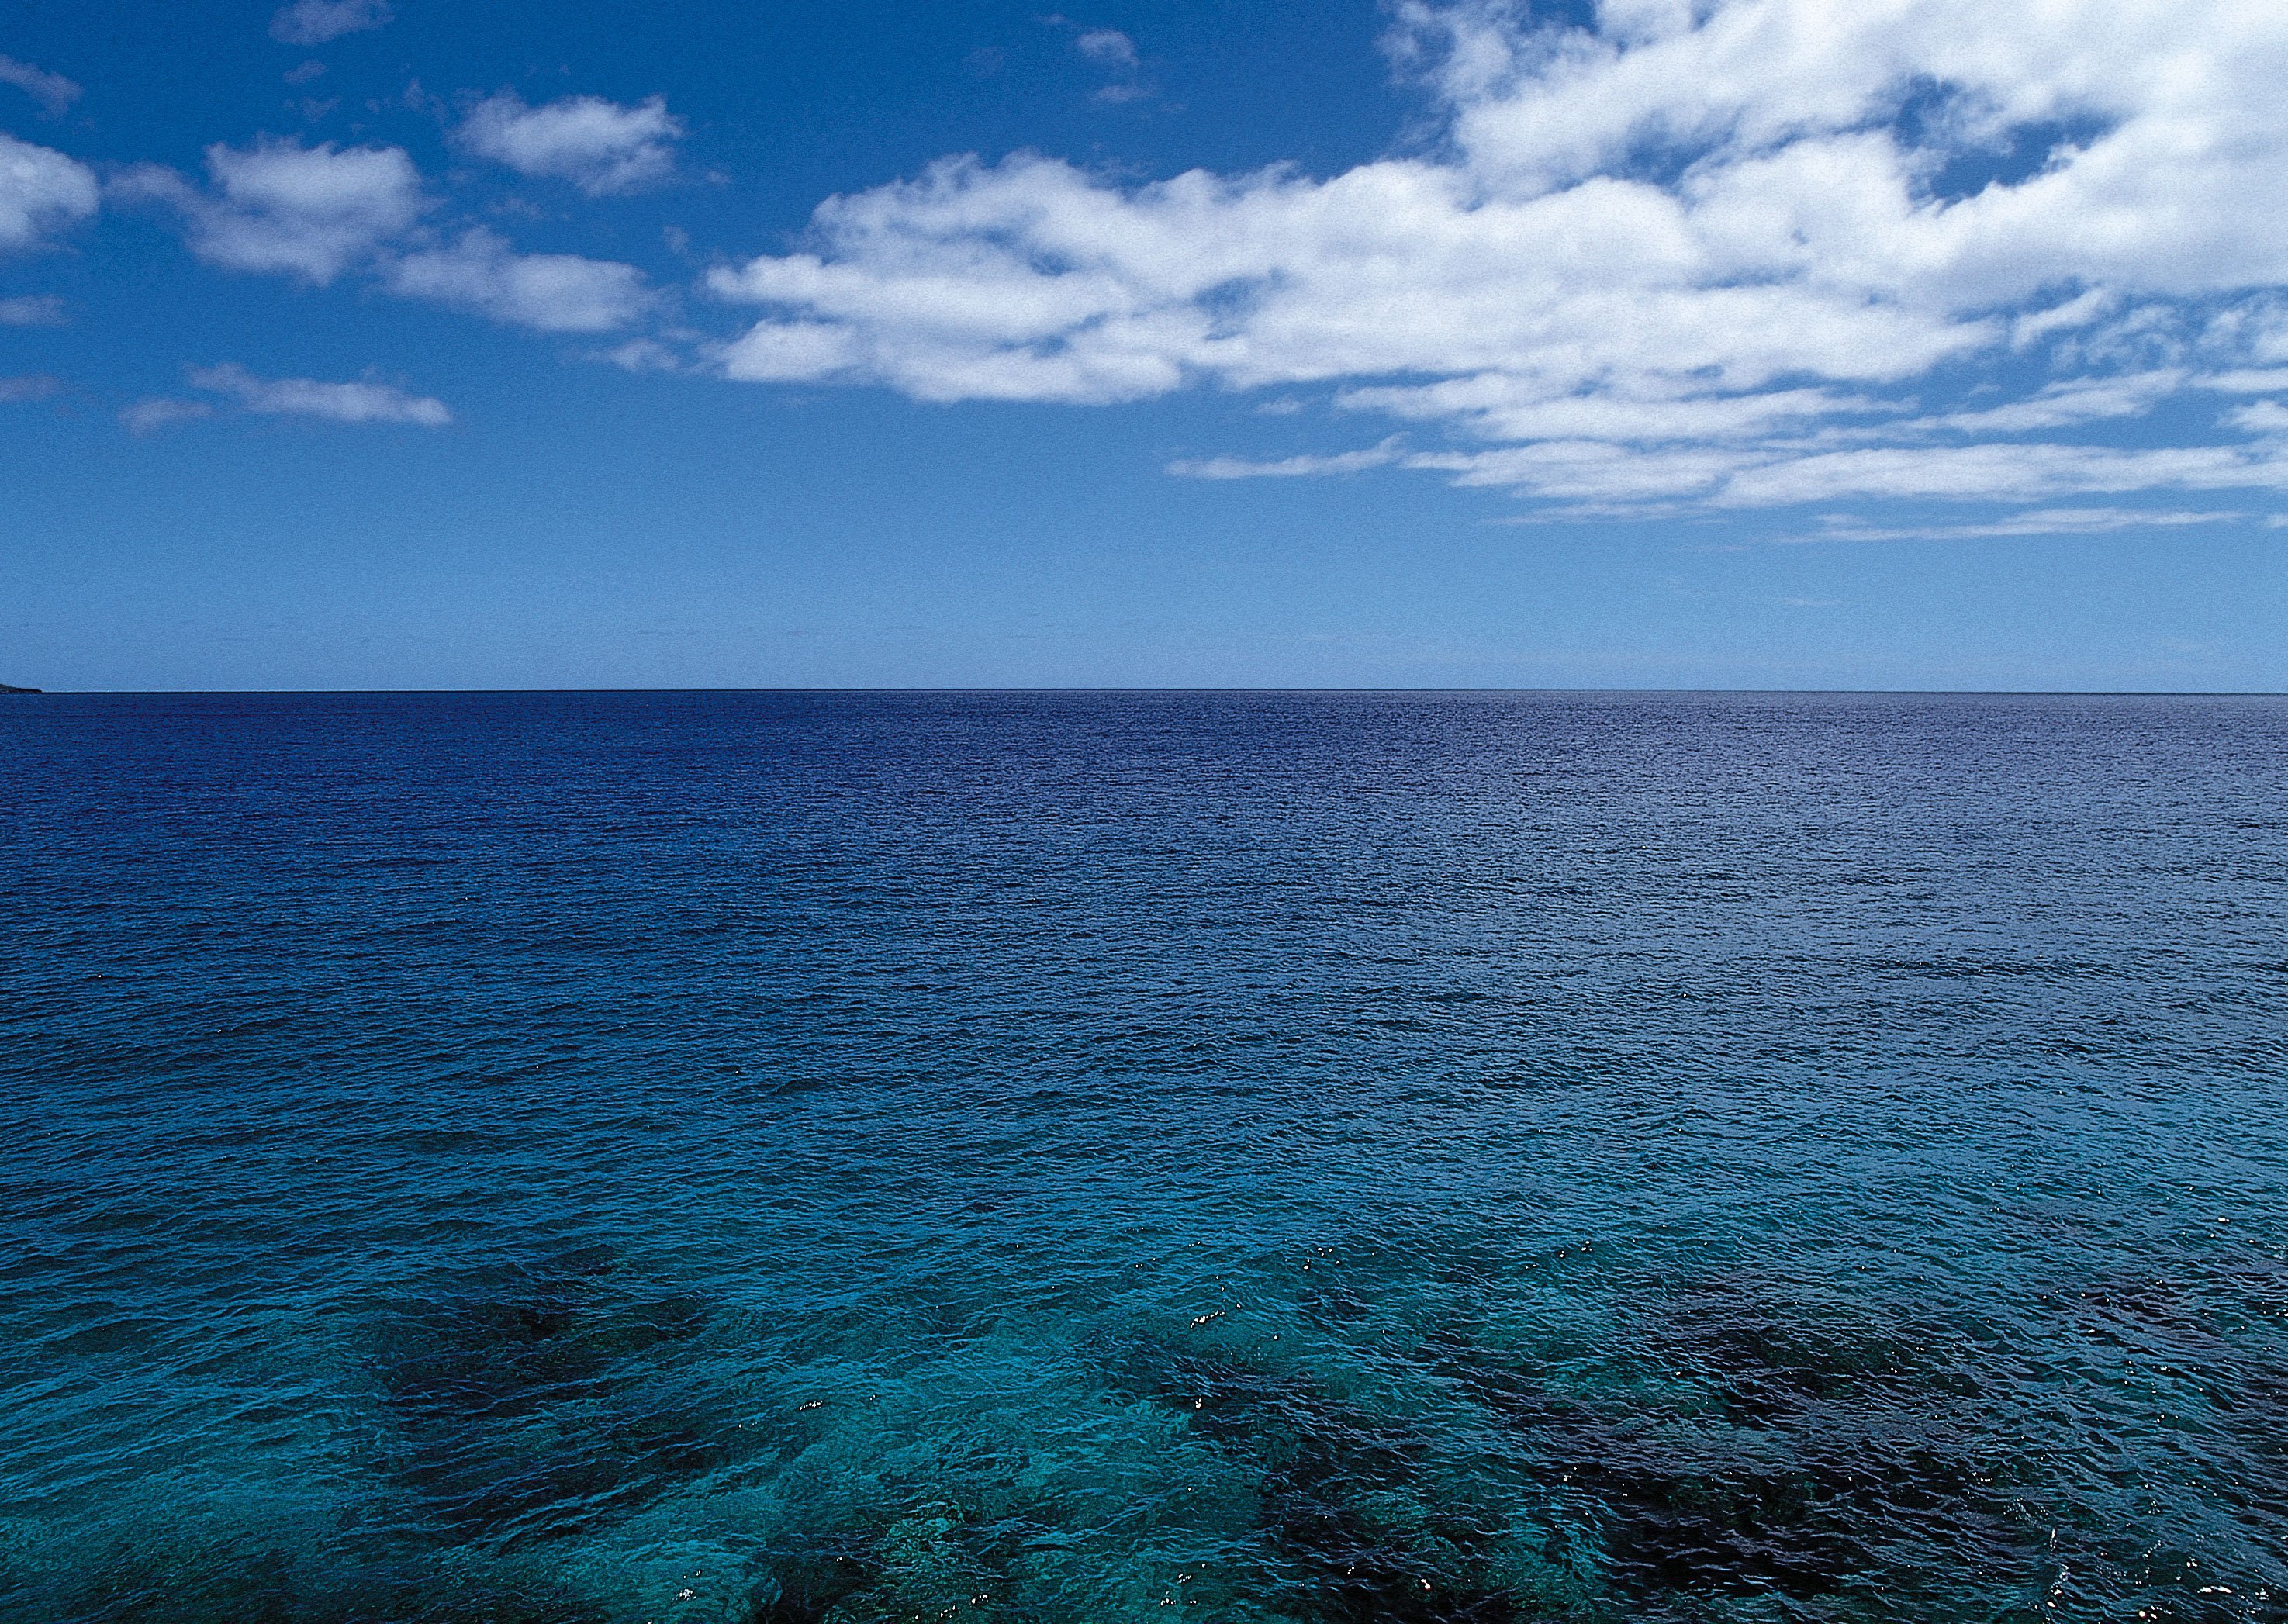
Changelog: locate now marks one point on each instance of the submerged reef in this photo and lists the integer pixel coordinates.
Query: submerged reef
(1740, 1453)
(532, 1402)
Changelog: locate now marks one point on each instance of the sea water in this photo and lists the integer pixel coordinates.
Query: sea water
(792, 1158)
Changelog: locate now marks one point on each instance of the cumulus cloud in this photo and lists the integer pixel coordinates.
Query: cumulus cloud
(308, 211)
(552, 293)
(52, 91)
(601, 147)
(301, 397)
(315, 22)
(316, 212)
(41, 192)
(789, 351)
(1745, 253)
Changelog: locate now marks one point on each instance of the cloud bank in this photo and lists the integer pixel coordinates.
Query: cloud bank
(1753, 254)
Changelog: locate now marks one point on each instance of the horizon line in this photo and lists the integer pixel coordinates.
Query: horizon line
(1172, 689)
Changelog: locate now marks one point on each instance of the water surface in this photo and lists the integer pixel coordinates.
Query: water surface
(799, 1158)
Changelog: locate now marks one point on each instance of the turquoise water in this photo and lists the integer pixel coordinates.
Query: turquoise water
(786, 1159)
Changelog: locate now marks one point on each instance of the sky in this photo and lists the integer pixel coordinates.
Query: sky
(1663, 343)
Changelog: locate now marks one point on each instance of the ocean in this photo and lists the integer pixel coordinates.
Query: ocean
(1082, 1158)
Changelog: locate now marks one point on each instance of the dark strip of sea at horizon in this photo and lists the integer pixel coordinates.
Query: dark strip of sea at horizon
(783, 1159)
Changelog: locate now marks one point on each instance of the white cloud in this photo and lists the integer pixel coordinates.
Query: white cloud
(32, 310)
(33, 386)
(2061, 404)
(2078, 311)
(52, 91)
(41, 191)
(1496, 406)
(1616, 477)
(553, 293)
(1287, 468)
(788, 351)
(308, 211)
(2248, 381)
(317, 212)
(1030, 278)
(1716, 254)
(149, 417)
(300, 397)
(315, 22)
(2262, 418)
(1109, 46)
(599, 145)
(2035, 521)
(644, 355)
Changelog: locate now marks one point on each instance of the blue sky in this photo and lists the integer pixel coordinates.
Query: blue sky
(1753, 344)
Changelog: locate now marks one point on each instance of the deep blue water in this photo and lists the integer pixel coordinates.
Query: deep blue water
(799, 1159)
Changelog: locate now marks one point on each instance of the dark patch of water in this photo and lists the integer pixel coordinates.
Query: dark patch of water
(530, 1401)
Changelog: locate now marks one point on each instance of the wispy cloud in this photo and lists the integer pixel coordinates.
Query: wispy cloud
(2065, 404)
(1288, 467)
(52, 91)
(1108, 49)
(1109, 46)
(317, 22)
(2263, 417)
(32, 310)
(149, 417)
(352, 402)
(2040, 521)
(2248, 381)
